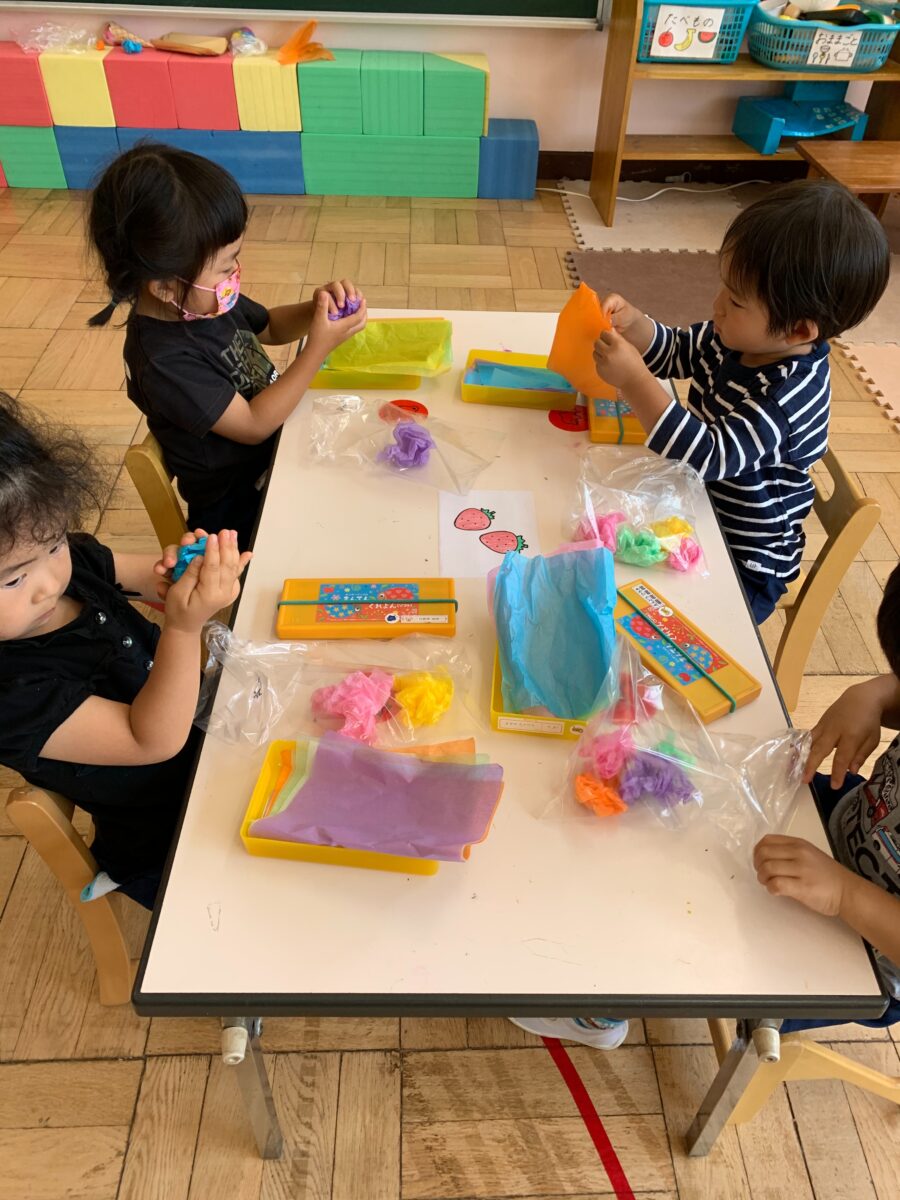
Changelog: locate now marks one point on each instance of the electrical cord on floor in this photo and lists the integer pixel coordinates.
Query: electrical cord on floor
(695, 191)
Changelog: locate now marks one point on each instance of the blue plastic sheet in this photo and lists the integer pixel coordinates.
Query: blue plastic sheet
(554, 619)
(499, 375)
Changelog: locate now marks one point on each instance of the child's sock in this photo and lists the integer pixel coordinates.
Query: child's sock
(99, 886)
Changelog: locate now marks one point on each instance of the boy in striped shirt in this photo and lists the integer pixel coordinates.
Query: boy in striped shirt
(799, 267)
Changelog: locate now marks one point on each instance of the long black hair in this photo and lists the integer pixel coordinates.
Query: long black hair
(160, 213)
(50, 480)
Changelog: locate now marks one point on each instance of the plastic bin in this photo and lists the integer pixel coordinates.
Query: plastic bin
(735, 17)
(789, 45)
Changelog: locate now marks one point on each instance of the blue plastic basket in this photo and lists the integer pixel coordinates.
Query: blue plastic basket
(735, 16)
(785, 45)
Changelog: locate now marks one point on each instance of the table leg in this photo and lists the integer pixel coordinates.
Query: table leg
(241, 1050)
(736, 1071)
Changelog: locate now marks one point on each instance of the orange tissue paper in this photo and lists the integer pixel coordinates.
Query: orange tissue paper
(572, 355)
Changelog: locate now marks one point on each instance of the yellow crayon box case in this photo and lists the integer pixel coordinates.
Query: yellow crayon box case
(361, 608)
(611, 420)
(269, 782)
(507, 722)
(510, 396)
(675, 649)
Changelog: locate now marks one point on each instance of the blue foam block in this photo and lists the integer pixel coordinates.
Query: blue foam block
(508, 163)
(84, 151)
(198, 141)
(261, 162)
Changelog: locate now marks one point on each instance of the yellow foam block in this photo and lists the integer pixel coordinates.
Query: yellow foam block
(267, 96)
(76, 87)
(480, 63)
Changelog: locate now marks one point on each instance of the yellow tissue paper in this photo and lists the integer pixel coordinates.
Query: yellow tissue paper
(670, 527)
(424, 696)
(398, 345)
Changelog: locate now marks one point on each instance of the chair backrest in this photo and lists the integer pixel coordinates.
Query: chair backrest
(151, 477)
(848, 518)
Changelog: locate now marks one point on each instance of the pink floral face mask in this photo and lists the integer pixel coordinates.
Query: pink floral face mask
(227, 293)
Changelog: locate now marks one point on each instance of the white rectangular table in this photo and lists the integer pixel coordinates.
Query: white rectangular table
(542, 919)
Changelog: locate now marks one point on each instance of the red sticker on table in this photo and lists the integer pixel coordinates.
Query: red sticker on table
(388, 412)
(574, 421)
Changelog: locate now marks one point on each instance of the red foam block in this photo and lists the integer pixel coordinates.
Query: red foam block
(204, 92)
(140, 88)
(23, 100)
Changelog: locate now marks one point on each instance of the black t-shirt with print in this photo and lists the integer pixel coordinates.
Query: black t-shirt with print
(107, 651)
(182, 375)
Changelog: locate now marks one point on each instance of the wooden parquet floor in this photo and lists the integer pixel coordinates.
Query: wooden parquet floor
(98, 1104)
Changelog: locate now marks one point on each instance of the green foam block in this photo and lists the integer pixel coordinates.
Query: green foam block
(454, 98)
(336, 165)
(331, 94)
(30, 157)
(392, 92)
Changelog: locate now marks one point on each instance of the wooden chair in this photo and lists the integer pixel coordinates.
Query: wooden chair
(799, 1059)
(848, 518)
(151, 477)
(45, 819)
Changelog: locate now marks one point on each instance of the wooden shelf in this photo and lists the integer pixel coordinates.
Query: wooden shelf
(724, 147)
(748, 70)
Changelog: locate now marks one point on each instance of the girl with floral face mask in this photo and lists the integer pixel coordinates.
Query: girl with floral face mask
(168, 227)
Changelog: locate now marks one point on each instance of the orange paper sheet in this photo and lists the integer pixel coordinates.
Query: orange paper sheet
(580, 324)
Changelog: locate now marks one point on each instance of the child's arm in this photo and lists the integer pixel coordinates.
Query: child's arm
(851, 727)
(667, 353)
(789, 866)
(253, 421)
(156, 724)
(751, 435)
(289, 322)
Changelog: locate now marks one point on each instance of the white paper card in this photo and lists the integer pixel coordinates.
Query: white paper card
(477, 530)
(833, 49)
(686, 32)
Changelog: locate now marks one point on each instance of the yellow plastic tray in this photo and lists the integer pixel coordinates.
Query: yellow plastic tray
(506, 722)
(362, 380)
(337, 856)
(371, 620)
(474, 393)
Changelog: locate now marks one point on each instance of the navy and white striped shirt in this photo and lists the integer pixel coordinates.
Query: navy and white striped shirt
(752, 433)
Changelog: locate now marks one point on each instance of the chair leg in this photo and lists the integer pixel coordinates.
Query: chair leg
(803, 1059)
(45, 822)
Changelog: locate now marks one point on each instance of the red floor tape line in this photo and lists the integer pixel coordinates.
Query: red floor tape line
(591, 1119)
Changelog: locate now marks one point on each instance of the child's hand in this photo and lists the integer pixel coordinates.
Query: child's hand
(789, 866)
(617, 361)
(620, 312)
(851, 727)
(169, 558)
(338, 292)
(325, 335)
(209, 584)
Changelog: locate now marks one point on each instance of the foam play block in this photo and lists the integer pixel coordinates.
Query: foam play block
(29, 157)
(455, 96)
(267, 163)
(23, 100)
(140, 88)
(267, 96)
(346, 165)
(76, 87)
(331, 93)
(509, 160)
(197, 141)
(204, 92)
(84, 152)
(392, 92)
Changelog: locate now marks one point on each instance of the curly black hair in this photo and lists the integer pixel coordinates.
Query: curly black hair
(49, 478)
